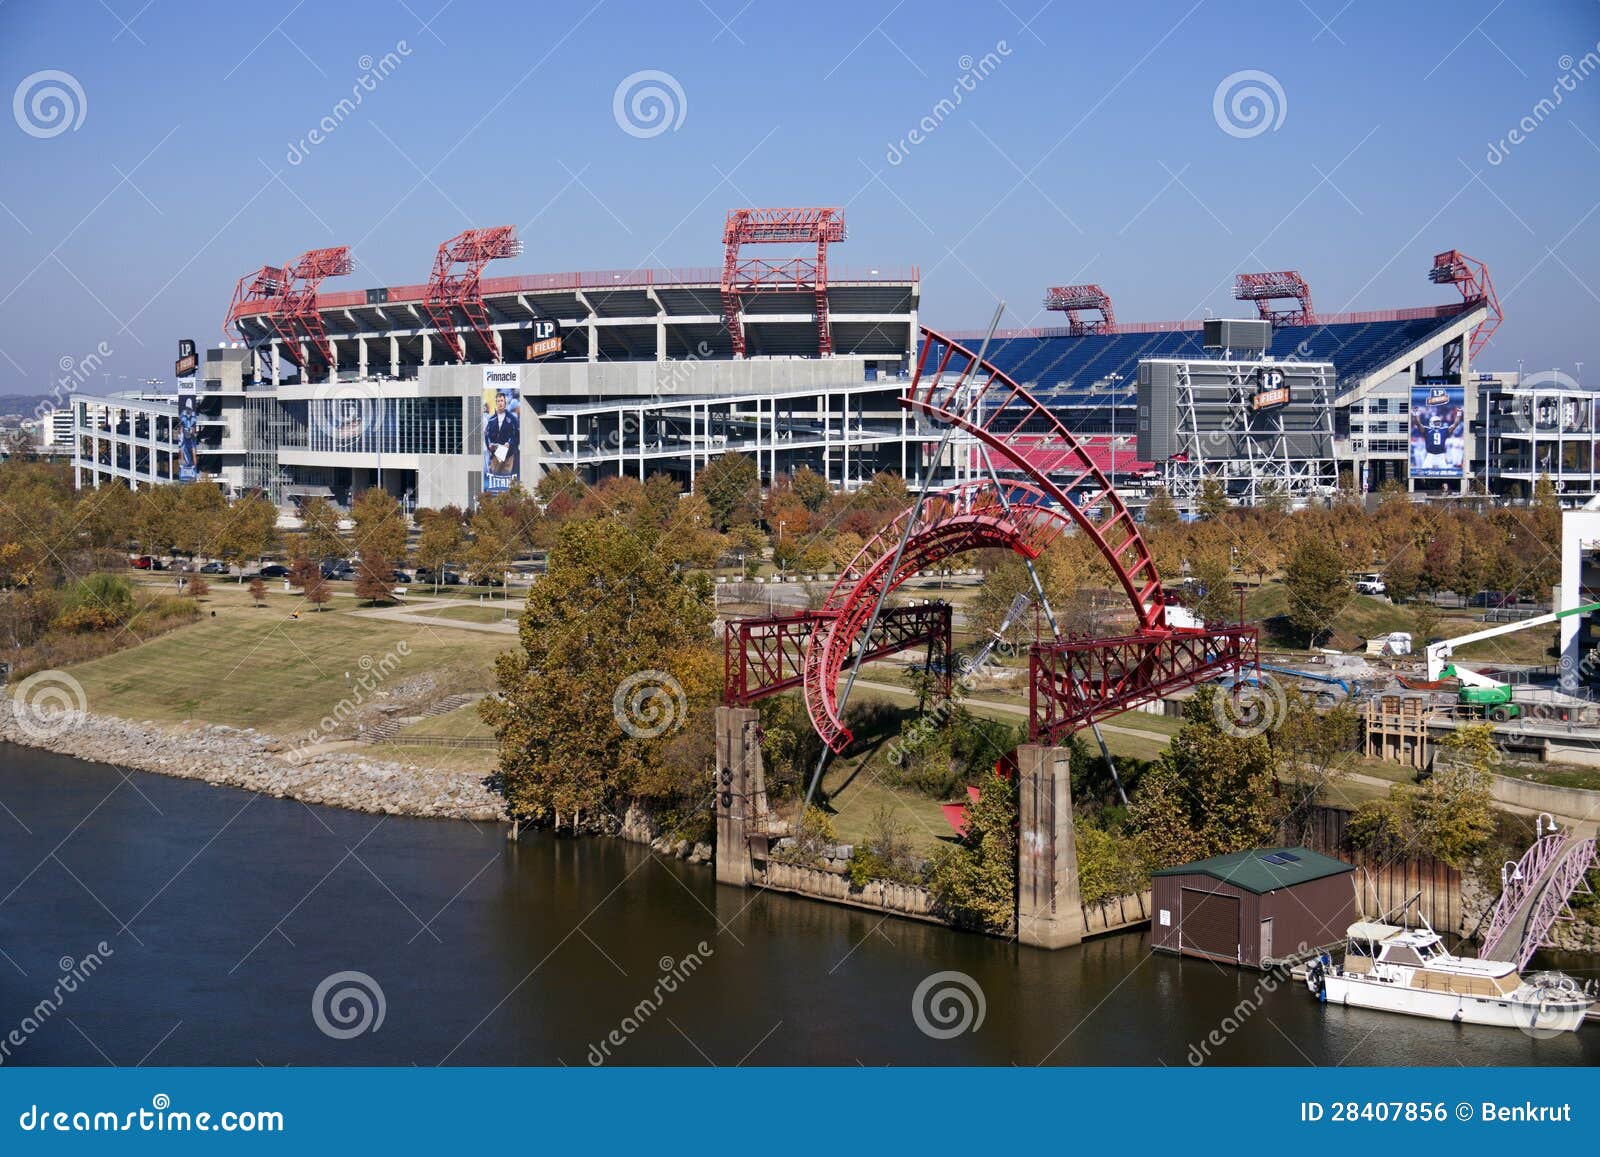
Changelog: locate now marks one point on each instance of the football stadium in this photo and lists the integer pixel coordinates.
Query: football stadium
(443, 389)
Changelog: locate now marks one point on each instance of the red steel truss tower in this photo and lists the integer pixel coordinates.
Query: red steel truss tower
(449, 290)
(1073, 299)
(754, 274)
(1265, 288)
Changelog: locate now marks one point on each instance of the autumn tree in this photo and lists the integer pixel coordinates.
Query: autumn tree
(1213, 499)
(610, 692)
(323, 537)
(1161, 513)
(441, 541)
(196, 587)
(380, 524)
(494, 543)
(200, 513)
(374, 578)
(258, 592)
(249, 531)
(1216, 602)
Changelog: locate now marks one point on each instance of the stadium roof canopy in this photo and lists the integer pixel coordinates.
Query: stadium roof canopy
(1365, 348)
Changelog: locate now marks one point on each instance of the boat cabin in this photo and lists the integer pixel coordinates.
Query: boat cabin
(1417, 958)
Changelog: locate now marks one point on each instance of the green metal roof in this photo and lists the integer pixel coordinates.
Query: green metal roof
(1261, 870)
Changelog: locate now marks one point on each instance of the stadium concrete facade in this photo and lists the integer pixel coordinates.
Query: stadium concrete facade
(658, 371)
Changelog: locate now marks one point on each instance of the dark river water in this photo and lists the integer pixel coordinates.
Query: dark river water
(224, 913)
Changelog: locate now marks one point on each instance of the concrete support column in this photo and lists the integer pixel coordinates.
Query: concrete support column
(361, 357)
(741, 792)
(499, 346)
(394, 357)
(1049, 907)
(333, 361)
(277, 362)
(427, 350)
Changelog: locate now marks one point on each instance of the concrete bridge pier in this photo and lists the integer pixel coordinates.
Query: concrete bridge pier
(741, 792)
(1049, 908)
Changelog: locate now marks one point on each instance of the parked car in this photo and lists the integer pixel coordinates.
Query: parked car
(1371, 586)
(1490, 599)
(214, 568)
(447, 578)
(341, 570)
(142, 562)
(274, 570)
(399, 576)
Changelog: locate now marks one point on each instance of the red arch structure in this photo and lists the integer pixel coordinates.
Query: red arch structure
(951, 522)
(1072, 682)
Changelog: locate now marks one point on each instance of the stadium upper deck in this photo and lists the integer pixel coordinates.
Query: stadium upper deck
(1364, 347)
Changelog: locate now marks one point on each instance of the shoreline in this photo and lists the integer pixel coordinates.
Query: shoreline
(251, 760)
(245, 758)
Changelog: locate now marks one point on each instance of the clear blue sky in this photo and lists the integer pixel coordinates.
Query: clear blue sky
(1089, 152)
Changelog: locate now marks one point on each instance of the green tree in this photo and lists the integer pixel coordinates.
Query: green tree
(1317, 586)
(732, 487)
(1109, 864)
(1211, 791)
(380, 525)
(615, 670)
(976, 881)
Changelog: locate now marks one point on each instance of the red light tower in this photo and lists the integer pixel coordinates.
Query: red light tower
(754, 274)
(1471, 277)
(449, 290)
(1265, 288)
(292, 294)
(1071, 299)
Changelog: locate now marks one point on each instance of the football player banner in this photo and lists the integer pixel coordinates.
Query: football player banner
(502, 428)
(188, 431)
(1438, 429)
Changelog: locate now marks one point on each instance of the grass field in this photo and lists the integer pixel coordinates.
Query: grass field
(474, 613)
(258, 667)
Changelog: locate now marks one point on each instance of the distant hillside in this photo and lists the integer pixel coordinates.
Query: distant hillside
(24, 405)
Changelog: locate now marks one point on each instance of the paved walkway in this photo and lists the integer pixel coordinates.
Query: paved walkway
(416, 611)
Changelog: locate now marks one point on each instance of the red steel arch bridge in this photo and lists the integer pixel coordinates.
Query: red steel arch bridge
(1073, 682)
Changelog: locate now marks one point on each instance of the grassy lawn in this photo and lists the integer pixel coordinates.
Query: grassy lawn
(257, 667)
(1558, 775)
(462, 723)
(475, 613)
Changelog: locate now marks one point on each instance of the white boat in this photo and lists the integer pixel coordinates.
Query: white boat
(1408, 970)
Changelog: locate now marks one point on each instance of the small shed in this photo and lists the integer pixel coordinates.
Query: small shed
(1255, 908)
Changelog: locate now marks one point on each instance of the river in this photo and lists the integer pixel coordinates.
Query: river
(223, 912)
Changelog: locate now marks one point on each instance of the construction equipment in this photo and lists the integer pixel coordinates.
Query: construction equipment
(1486, 696)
